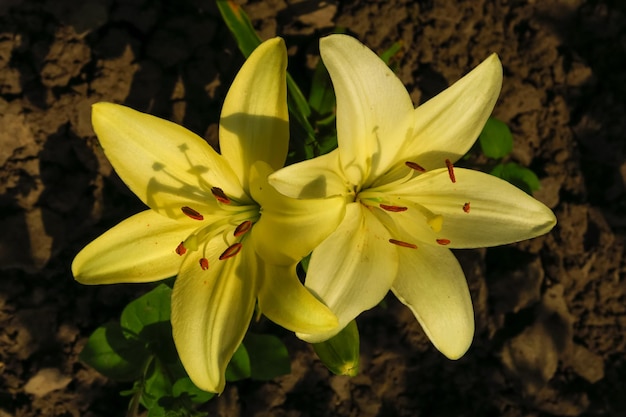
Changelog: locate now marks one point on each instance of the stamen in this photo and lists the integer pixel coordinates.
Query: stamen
(181, 249)
(231, 251)
(219, 195)
(204, 264)
(466, 207)
(443, 241)
(403, 244)
(415, 166)
(243, 228)
(450, 170)
(191, 213)
(395, 209)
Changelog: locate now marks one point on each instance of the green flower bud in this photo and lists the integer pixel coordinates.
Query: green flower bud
(340, 353)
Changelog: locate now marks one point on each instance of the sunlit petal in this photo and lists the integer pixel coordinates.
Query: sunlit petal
(374, 110)
(314, 178)
(290, 229)
(431, 283)
(211, 310)
(255, 126)
(353, 269)
(447, 125)
(497, 212)
(139, 249)
(163, 163)
(285, 301)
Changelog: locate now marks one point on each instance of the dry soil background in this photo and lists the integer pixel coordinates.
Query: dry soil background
(551, 313)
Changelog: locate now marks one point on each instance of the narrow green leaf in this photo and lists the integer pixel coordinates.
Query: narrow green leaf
(340, 354)
(113, 355)
(268, 356)
(392, 51)
(150, 308)
(240, 26)
(496, 140)
(521, 177)
(322, 95)
(239, 365)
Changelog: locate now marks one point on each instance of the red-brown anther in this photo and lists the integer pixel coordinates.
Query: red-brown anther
(395, 209)
(204, 264)
(231, 251)
(219, 195)
(466, 207)
(403, 244)
(181, 249)
(443, 241)
(415, 166)
(191, 213)
(243, 228)
(450, 170)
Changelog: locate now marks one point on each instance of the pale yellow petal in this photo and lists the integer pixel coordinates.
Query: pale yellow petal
(211, 310)
(139, 249)
(285, 301)
(431, 283)
(164, 164)
(254, 122)
(353, 269)
(314, 178)
(496, 213)
(289, 229)
(374, 110)
(447, 125)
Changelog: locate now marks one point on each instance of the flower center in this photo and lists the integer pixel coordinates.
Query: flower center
(394, 205)
(236, 222)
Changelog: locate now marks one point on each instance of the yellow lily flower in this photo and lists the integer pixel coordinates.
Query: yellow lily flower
(210, 215)
(406, 204)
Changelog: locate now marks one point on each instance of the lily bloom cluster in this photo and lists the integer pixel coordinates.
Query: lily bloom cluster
(378, 213)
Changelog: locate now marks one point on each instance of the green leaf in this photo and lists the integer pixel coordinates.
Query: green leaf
(340, 353)
(392, 51)
(113, 355)
(240, 26)
(298, 106)
(268, 356)
(239, 365)
(521, 177)
(152, 307)
(322, 95)
(184, 386)
(496, 140)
